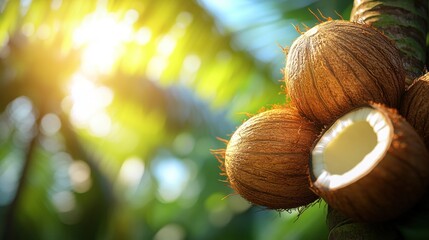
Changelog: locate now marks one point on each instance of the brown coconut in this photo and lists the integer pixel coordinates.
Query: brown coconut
(415, 107)
(266, 159)
(370, 164)
(338, 65)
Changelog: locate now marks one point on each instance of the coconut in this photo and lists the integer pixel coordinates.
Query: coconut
(370, 164)
(266, 159)
(339, 65)
(415, 107)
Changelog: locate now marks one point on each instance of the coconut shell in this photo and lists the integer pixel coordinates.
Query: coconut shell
(392, 186)
(266, 159)
(415, 107)
(339, 65)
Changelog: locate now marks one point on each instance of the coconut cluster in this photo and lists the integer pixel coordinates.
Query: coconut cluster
(341, 137)
(333, 74)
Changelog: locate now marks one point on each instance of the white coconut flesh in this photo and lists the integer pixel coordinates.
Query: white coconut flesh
(350, 148)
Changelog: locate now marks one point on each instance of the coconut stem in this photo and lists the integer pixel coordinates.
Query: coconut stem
(404, 22)
(341, 227)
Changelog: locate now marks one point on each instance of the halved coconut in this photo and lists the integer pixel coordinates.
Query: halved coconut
(370, 164)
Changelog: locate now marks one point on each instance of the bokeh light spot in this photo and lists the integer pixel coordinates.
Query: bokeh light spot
(50, 124)
(166, 45)
(184, 19)
(131, 16)
(80, 176)
(184, 143)
(170, 232)
(172, 175)
(56, 4)
(27, 29)
(21, 113)
(21, 109)
(44, 32)
(191, 63)
(156, 67)
(100, 124)
(9, 176)
(143, 35)
(64, 201)
(132, 171)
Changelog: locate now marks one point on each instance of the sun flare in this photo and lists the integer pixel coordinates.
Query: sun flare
(89, 102)
(102, 37)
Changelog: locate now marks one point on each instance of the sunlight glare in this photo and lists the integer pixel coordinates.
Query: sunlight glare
(103, 36)
(89, 102)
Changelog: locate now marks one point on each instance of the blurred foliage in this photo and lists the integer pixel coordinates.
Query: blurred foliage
(109, 110)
